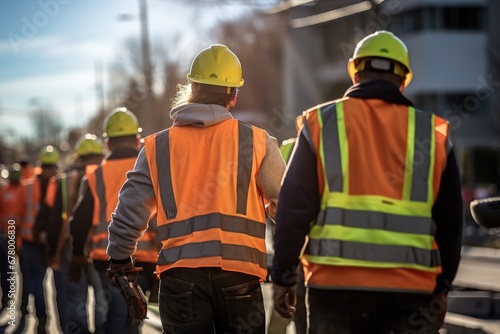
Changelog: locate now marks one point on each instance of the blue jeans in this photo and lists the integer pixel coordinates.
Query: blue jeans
(360, 312)
(211, 300)
(33, 267)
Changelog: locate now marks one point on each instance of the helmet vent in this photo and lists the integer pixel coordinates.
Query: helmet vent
(213, 75)
(384, 50)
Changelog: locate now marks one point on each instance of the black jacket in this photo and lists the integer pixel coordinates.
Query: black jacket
(299, 202)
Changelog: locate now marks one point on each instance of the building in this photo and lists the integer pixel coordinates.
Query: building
(455, 51)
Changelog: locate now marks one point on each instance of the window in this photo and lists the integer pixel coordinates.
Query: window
(452, 104)
(433, 18)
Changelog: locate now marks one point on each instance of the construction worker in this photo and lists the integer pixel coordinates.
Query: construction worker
(374, 186)
(32, 258)
(206, 178)
(11, 214)
(27, 169)
(93, 214)
(60, 198)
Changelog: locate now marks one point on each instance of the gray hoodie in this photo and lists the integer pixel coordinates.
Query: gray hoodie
(137, 202)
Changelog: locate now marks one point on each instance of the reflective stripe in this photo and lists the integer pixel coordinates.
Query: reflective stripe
(245, 162)
(330, 145)
(29, 203)
(211, 249)
(365, 254)
(378, 221)
(423, 154)
(214, 220)
(101, 244)
(64, 196)
(343, 233)
(101, 194)
(380, 204)
(27, 227)
(164, 174)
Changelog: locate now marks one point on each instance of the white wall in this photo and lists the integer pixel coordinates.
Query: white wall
(446, 61)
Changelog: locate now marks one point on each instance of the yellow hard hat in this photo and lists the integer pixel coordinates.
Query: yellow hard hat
(121, 122)
(382, 44)
(15, 172)
(217, 66)
(89, 144)
(48, 155)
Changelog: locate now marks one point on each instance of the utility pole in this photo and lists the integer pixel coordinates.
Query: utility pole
(99, 86)
(147, 115)
(146, 54)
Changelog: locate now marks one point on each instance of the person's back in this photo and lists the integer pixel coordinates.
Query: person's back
(206, 178)
(380, 182)
(11, 213)
(32, 257)
(53, 218)
(92, 214)
(11, 202)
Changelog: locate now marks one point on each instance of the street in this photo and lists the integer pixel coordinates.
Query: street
(479, 269)
(150, 326)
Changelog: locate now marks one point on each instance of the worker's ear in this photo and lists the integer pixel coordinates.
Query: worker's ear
(140, 142)
(356, 78)
(232, 102)
(402, 86)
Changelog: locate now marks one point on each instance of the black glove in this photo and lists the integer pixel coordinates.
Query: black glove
(77, 264)
(123, 276)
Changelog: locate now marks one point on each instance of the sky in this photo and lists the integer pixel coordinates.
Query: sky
(49, 50)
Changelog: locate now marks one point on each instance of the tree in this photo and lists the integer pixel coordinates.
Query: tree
(256, 40)
(47, 126)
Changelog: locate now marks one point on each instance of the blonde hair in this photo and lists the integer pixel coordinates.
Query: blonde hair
(196, 93)
(182, 96)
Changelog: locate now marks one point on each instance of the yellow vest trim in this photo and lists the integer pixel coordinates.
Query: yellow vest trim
(380, 237)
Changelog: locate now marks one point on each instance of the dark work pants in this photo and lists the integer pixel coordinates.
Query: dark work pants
(300, 316)
(361, 312)
(33, 267)
(210, 300)
(4, 269)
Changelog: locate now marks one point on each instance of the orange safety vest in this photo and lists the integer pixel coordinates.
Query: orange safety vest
(32, 195)
(11, 206)
(105, 183)
(210, 211)
(379, 167)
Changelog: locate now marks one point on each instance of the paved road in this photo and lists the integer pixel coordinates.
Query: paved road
(479, 269)
(150, 326)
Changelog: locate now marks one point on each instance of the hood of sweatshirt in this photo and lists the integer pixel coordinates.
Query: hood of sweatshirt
(198, 114)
